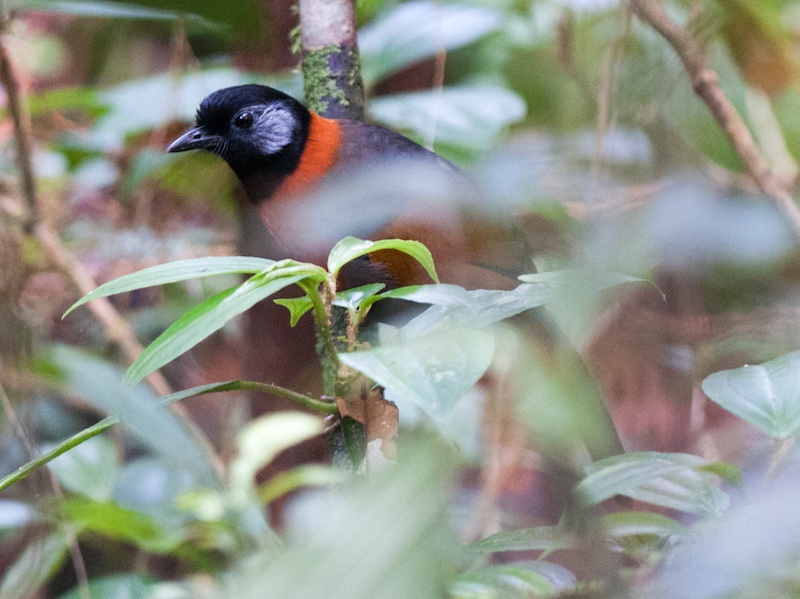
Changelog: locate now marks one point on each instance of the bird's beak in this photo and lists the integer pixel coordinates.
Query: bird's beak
(194, 139)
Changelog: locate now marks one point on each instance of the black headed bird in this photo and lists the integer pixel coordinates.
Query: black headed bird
(367, 181)
(313, 181)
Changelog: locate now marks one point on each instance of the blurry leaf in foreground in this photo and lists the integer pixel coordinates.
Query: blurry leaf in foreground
(557, 399)
(101, 384)
(510, 581)
(432, 371)
(383, 536)
(34, 566)
(416, 30)
(14, 514)
(750, 551)
(111, 520)
(455, 307)
(765, 395)
(576, 295)
(262, 439)
(673, 480)
(542, 538)
(234, 16)
(465, 116)
(118, 586)
(89, 469)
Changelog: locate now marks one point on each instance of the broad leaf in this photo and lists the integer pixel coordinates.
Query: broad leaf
(765, 395)
(433, 371)
(350, 248)
(456, 307)
(89, 469)
(673, 480)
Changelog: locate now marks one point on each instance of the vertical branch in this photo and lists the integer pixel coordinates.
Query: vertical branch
(21, 120)
(331, 64)
(705, 83)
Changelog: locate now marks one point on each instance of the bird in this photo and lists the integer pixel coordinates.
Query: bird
(312, 180)
(282, 153)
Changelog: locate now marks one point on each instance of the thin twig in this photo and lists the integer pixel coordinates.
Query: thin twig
(705, 83)
(438, 78)
(21, 119)
(78, 563)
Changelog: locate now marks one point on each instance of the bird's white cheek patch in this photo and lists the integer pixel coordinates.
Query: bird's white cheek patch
(275, 129)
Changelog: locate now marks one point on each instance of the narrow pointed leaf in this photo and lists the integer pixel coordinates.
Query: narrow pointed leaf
(205, 319)
(174, 272)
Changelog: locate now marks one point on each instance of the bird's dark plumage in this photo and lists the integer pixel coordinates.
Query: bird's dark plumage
(281, 151)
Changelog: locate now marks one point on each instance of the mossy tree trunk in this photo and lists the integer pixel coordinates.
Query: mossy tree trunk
(331, 65)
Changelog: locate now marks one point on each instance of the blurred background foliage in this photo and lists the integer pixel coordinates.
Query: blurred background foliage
(570, 114)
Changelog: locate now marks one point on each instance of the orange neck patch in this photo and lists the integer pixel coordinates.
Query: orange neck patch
(318, 158)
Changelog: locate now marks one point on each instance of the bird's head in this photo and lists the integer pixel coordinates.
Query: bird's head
(252, 127)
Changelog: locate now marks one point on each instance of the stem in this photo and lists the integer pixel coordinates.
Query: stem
(705, 82)
(327, 348)
(106, 423)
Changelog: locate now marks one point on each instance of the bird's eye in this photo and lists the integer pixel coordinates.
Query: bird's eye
(243, 120)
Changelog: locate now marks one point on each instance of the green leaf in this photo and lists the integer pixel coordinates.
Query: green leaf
(388, 530)
(113, 521)
(297, 306)
(541, 538)
(34, 566)
(89, 469)
(174, 272)
(207, 318)
(673, 480)
(433, 371)
(455, 307)
(101, 384)
(118, 586)
(511, 582)
(350, 248)
(765, 395)
(599, 279)
(358, 297)
(626, 524)
(233, 17)
(262, 439)
(414, 31)
(302, 476)
(464, 116)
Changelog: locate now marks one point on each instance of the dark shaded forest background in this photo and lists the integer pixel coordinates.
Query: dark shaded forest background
(577, 117)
